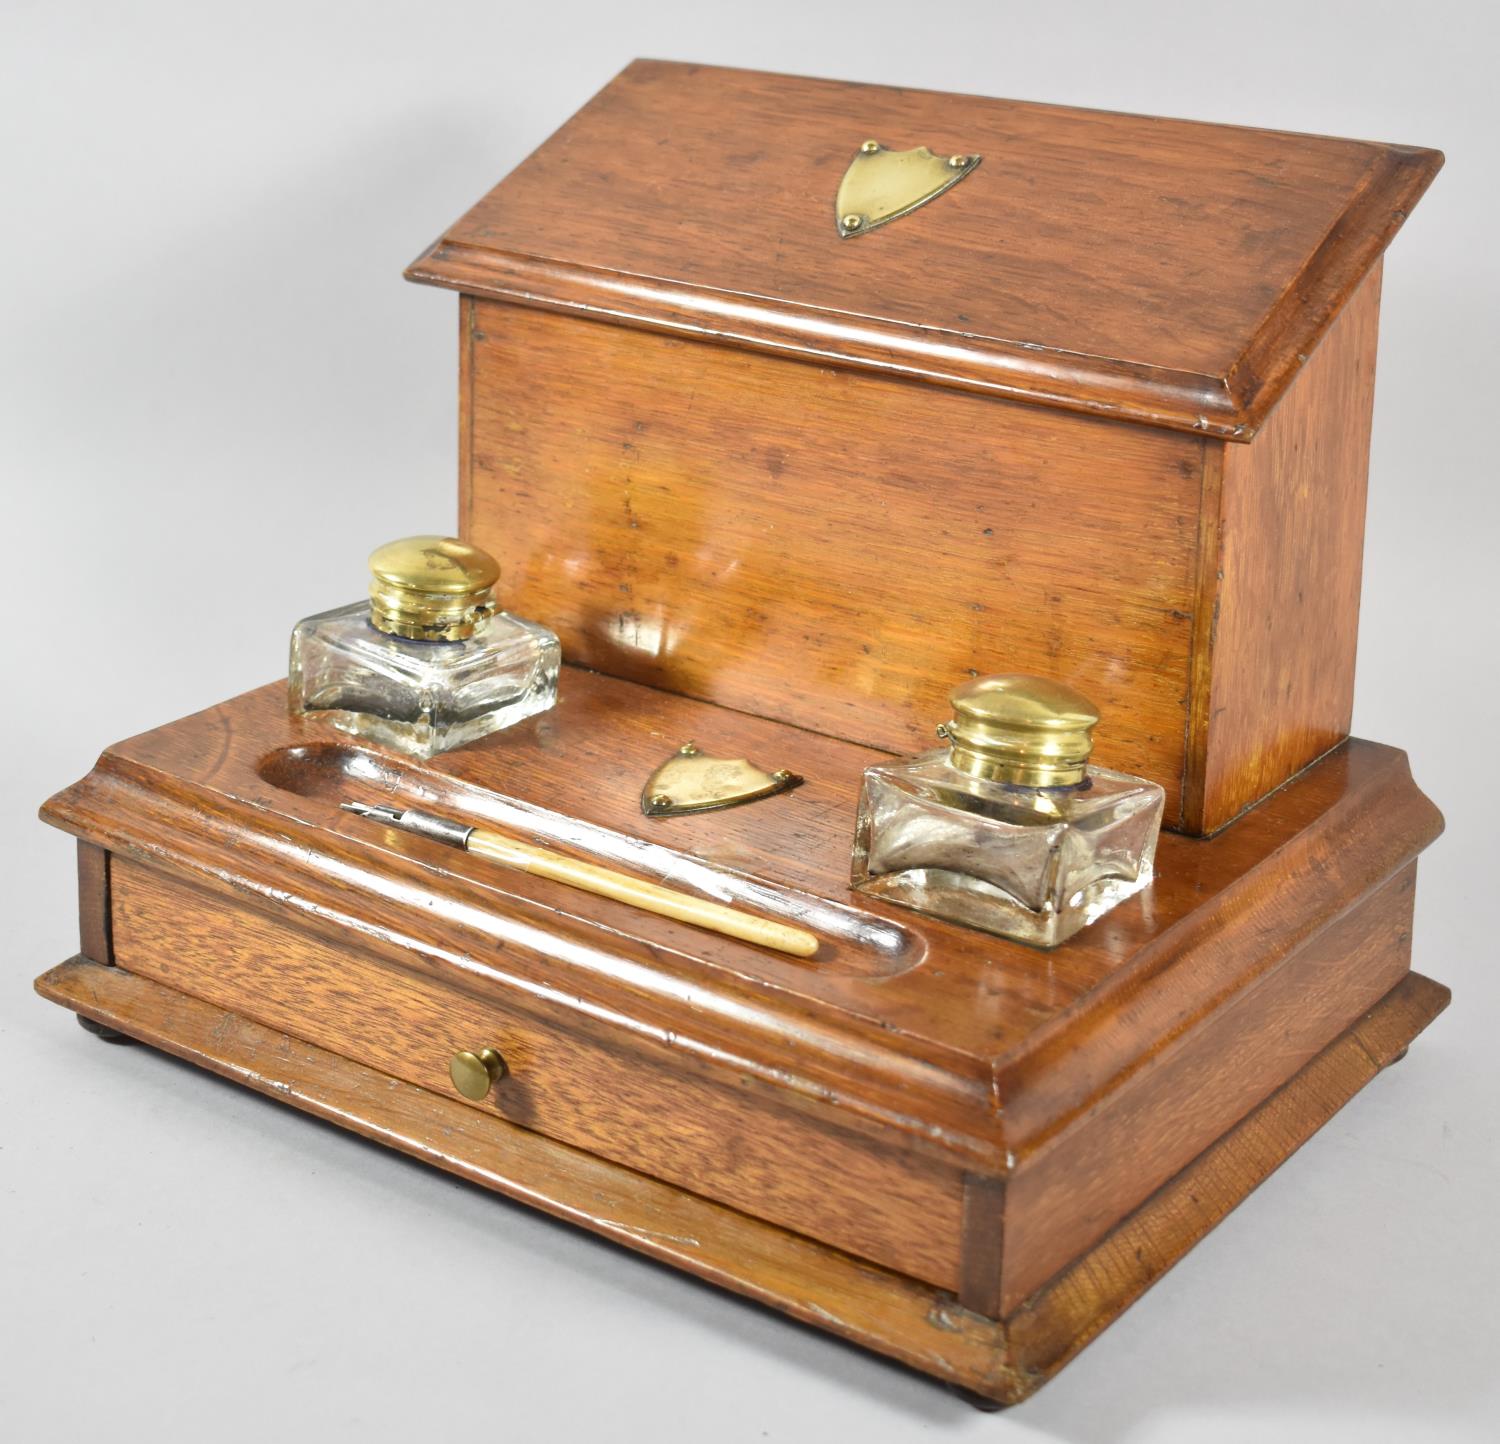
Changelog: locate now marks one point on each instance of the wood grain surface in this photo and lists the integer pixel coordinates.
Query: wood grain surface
(95, 927)
(835, 550)
(623, 1098)
(1070, 1190)
(840, 550)
(1163, 271)
(912, 1051)
(696, 430)
(740, 495)
(899, 1016)
(1283, 595)
(914, 1324)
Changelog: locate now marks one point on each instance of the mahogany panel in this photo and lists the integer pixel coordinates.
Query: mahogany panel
(622, 1099)
(1284, 597)
(834, 550)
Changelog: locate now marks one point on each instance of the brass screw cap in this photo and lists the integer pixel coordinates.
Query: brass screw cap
(1031, 731)
(431, 588)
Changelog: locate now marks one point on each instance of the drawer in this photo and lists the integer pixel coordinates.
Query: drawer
(622, 1097)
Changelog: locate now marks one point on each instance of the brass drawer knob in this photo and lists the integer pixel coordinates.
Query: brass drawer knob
(474, 1074)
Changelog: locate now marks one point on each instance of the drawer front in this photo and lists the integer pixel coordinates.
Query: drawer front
(627, 1100)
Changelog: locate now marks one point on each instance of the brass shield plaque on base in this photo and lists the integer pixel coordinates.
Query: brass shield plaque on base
(691, 781)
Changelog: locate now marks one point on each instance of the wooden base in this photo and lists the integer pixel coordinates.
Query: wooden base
(925, 1328)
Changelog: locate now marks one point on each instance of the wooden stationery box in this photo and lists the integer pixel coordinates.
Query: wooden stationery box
(1101, 412)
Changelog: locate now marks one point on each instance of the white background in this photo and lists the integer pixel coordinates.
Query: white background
(217, 392)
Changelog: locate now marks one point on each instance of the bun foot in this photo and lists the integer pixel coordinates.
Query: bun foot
(106, 1035)
(982, 1402)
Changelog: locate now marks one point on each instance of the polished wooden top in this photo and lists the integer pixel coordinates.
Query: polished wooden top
(908, 1022)
(1167, 271)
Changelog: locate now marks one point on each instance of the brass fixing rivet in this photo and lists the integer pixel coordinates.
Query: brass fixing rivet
(782, 774)
(870, 147)
(958, 162)
(689, 749)
(661, 800)
(852, 223)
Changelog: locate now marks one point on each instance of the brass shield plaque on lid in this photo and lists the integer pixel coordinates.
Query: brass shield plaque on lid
(883, 185)
(691, 781)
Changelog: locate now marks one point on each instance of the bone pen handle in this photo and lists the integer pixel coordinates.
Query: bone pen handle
(648, 896)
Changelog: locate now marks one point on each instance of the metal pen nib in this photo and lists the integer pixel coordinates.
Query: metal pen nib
(424, 824)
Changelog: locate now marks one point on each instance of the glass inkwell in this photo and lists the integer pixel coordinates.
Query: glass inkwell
(1008, 828)
(427, 663)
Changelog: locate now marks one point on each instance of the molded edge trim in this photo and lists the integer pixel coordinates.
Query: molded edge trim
(1301, 317)
(1070, 381)
(298, 874)
(926, 1329)
(1232, 407)
(1220, 953)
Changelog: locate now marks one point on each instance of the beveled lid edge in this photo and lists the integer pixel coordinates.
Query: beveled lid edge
(1230, 407)
(1291, 330)
(1152, 396)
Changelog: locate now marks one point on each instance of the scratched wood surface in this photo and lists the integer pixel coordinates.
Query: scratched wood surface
(834, 550)
(1280, 601)
(796, 525)
(1160, 270)
(768, 536)
(623, 1098)
(914, 1324)
(1068, 1190)
(925, 1050)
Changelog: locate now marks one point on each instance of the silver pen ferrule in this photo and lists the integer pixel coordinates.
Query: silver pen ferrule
(424, 824)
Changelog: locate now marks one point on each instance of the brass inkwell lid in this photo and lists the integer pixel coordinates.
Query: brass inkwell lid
(431, 588)
(1031, 731)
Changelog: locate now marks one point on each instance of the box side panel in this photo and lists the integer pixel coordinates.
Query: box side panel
(1066, 1314)
(1066, 1196)
(1285, 619)
(94, 933)
(622, 1100)
(831, 548)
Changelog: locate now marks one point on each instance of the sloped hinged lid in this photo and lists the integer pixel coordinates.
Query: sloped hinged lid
(1174, 273)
